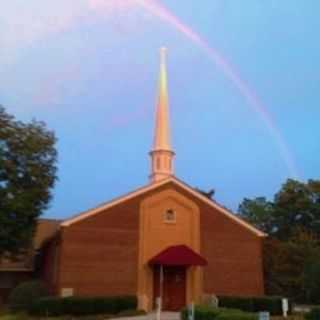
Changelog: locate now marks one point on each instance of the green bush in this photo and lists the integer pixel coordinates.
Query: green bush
(77, 306)
(314, 314)
(271, 304)
(204, 312)
(236, 315)
(131, 313)
(201, 312)
(241, 303)
(25, 294)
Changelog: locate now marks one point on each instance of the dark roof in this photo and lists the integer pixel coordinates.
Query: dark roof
(46, 229)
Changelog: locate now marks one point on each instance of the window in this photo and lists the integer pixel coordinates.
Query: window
(170, 216)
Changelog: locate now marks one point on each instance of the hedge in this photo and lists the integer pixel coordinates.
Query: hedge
(314, 314)
(22, 296)
(253, 304)
(204, 312)
(54, 306)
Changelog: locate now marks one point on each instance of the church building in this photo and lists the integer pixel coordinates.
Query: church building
(165, 236)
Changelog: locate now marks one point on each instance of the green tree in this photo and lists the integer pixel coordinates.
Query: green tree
(292, 252)
(258, 212)
(295, 206)
(292, 268)
(27, 176)
(311, 278)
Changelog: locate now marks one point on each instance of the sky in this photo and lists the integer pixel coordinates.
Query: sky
(244, 87)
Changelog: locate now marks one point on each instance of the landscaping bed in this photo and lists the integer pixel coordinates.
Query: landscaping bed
(206, 312)
(25, 316)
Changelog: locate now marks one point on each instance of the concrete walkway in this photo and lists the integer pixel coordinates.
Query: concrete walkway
(153, 316)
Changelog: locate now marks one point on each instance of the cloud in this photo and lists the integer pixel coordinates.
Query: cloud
(111, 6)
(23, 24)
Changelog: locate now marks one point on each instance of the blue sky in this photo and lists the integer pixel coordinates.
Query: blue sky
(89, 68)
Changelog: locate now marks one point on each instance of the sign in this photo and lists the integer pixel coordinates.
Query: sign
(158, 304)
(264, 315)
(214, 301)
(66, 292)
(191, 311)
(285, 307)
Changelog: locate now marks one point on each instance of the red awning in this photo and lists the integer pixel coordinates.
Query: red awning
(178, 256)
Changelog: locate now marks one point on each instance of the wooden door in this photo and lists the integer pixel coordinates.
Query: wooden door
(173, 288)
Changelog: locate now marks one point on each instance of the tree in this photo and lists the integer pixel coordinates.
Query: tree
(284, 267)
(311, 277)
(27, 176)
(296, 205)
(292, 252)
(258, 212)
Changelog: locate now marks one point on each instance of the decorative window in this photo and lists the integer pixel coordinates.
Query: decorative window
(170, 216)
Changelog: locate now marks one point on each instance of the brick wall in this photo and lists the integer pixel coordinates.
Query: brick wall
(99, 255)
(234, 254)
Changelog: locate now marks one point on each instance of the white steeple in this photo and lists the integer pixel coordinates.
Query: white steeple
(162, 153)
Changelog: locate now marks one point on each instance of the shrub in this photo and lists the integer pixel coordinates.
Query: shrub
(131, 313)
(314, 314)
(271, 304)
(25, 294)
(203, 312)
(236, 315)
(54, 306)
(241, 303)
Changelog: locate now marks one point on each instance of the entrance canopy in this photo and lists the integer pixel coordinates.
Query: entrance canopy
(178, 256)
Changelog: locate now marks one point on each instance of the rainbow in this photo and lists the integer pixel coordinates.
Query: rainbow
(157, 9)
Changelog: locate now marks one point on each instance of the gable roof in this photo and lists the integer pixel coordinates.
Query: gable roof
(150, 187)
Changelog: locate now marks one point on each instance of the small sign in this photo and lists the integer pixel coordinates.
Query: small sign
(191, 311)
(285, 307)
(159, 307)
(264, 315)
(66, 292)
(214, 301)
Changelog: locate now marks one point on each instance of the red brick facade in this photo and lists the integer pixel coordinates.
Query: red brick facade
(99, 254)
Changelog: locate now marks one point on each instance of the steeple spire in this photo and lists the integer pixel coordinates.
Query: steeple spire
(162, 153)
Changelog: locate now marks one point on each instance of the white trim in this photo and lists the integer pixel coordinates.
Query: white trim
(221, 209)
(112, 203)
(152, 186)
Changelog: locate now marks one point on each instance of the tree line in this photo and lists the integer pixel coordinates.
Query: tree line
(292, 248)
